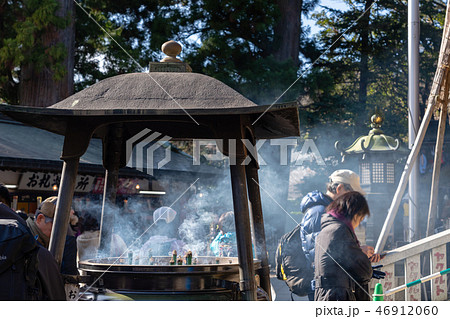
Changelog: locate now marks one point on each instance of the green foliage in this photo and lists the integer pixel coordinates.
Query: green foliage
(25, 23)
(115, 37)
(236, 46)
(233, 41)
(387, 71)
(230, 40)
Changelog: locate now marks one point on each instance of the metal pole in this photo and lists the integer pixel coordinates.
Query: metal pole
(112, 162)
(107, 217)
(432, 211)
(242, 222)
(258, 224)
(413, 106)
(403, 181)
(63, 207)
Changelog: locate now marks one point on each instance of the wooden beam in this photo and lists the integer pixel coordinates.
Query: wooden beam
(416, 247)
(432, 211)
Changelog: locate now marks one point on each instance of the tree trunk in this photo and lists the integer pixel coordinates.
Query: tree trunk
(364, 64)
(38, 87)
(287, 31)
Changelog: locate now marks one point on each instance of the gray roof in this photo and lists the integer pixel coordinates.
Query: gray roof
(180, 105)
(155, 91)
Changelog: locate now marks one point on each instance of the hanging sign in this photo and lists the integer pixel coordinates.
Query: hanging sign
(125, 186)
(50, 182)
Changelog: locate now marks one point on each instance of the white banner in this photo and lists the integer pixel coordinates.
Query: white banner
(46, 181)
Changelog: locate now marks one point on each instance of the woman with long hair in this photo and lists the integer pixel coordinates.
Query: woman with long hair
(342, 270)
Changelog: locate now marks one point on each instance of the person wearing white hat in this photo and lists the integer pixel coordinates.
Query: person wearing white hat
(163, 234)
(313, 206)
(346, 180)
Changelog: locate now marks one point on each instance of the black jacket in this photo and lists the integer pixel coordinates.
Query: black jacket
(342, 269)
(49, 276)
(50, 283)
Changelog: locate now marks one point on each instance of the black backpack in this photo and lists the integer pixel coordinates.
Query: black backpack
(18, 258)
(292, 265)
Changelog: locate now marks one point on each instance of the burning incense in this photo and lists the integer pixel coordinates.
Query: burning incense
(130, 257)
(189, 258)
(173, 261)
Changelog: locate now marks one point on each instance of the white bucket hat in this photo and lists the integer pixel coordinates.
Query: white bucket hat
(164, 212)
(346, 176)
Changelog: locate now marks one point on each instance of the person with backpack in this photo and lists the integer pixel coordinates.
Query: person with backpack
(296, 250)
(27, 270)
(313, 206)
(296, 266)
(342, 271)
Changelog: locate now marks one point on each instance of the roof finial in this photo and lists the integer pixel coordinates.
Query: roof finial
(171, 49)
(376, 120)
(170, 63)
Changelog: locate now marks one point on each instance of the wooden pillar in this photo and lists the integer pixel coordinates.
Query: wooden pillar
(63, 207)
(432, 211)
(258, 224)
(241, 216)
(243, 233)
(76, 142)
(107, 217)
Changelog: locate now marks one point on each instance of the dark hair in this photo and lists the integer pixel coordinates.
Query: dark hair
(90, 223)
(5, 197)
(350, 204)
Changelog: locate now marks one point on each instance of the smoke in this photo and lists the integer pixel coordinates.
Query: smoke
(134, 229)
(197, 232)
(281, 187)
(203, 211)
(128, 222)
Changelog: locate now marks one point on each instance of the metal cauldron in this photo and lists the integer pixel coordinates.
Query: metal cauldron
(211, 278)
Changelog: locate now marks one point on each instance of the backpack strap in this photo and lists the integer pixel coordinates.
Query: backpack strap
(283, 274)
(30, 272)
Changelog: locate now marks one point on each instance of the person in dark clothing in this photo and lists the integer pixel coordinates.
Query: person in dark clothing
(41, 227)
(51, 285)
(313, 206)
(5, 197)
(343, 270)
(51, 280)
